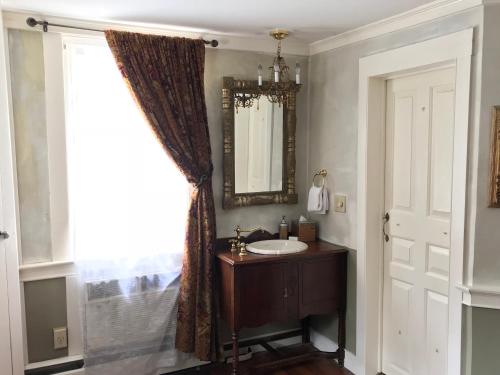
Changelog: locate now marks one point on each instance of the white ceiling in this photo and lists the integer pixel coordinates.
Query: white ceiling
(309, 20)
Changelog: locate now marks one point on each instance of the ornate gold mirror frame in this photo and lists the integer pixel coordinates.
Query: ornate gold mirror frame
(287, 194)
(495, 159)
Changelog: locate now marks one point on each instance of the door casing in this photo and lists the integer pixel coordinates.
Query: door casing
(451, 50)
(8, 210)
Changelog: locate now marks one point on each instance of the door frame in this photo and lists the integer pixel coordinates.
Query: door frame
(451, 50)
(9, 211)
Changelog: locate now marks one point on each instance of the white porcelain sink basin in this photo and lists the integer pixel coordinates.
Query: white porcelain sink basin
(276, 247)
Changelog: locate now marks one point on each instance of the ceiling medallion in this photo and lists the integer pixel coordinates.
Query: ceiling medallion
(279, 86)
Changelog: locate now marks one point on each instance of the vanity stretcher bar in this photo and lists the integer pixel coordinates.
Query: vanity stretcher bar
(261, 289)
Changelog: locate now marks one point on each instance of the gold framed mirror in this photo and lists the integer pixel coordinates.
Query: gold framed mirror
(259, 146)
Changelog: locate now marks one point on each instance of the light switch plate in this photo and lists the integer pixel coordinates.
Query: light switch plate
(340, 203)
(60, 337)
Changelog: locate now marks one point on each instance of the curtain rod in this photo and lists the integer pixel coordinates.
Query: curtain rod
(45, 25)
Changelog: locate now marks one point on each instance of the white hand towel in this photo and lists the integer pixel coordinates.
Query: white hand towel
(325, 203)
(315, 201)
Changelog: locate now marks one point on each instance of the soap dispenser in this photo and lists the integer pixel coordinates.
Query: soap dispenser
(283, 232)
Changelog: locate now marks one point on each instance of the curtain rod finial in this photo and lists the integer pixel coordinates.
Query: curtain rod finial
(31, 22)
(214, 42)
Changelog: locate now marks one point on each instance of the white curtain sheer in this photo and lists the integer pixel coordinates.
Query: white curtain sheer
(128, 209)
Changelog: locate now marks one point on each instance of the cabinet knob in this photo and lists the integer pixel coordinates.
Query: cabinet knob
(286, 293)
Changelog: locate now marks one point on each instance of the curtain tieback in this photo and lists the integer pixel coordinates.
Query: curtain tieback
(201, 181)
(205, 177)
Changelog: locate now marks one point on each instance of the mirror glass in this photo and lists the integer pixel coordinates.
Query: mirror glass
(258, 147)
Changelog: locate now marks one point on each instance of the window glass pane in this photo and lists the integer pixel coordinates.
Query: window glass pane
(127, 198)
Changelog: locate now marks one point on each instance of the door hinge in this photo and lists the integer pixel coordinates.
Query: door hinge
(386, 219)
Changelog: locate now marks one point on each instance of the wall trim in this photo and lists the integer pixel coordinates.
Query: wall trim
(373, 72)
(484, 296)
(16, 19)
(421, 14)
(48, 270)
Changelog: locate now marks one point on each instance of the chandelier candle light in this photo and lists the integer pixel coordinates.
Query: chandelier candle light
(279, 85)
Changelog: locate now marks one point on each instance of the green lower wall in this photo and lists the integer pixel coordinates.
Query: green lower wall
(481, 341)
(45, 304)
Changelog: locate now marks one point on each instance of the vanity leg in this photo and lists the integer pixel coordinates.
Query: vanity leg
(306, 336)
(236, 353)
(341, 337)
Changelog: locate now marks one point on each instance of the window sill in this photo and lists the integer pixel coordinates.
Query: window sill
(46, 270)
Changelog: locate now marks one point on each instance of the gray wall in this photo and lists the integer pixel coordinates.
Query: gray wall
(45, 304)
(487, 236)
(28, 101)
(333, 122)
(482, 349)
(28, 85)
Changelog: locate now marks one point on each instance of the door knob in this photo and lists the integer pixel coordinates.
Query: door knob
(4, 235)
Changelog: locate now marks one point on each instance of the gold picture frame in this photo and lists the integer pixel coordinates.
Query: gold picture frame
(495, 159)
(288, 194)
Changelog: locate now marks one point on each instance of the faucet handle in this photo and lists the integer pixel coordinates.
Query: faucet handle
(233, 243)
(243, 249)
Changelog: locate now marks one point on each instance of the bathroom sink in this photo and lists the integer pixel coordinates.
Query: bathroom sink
(276, 247)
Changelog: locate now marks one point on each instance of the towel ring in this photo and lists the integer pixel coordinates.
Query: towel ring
(321, 173)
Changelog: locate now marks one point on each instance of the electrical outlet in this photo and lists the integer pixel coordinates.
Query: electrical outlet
(60, 337)
(340, 203)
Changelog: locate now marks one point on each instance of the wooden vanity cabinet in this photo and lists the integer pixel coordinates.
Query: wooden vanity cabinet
(260, 289)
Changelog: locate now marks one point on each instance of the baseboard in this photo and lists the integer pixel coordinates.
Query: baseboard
(322, 342)
(70, 366)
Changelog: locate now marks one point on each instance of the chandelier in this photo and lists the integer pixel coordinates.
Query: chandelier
(279, 86)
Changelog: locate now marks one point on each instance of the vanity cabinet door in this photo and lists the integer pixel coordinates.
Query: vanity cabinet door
(323, 282)
(262, 294)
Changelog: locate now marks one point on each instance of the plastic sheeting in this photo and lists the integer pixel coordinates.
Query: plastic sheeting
(129, 312)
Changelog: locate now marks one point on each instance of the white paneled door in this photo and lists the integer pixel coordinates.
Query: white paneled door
(419, 160)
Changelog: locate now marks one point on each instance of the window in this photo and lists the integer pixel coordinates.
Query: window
(127, 198)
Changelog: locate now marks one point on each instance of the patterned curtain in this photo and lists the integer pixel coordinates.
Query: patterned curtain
(165, 76)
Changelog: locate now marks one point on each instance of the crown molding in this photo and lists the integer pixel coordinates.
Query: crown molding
(482, 296)
(16, 19)
(424, 13)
